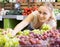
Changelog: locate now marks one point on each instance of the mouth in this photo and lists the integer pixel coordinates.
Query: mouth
(41, 19)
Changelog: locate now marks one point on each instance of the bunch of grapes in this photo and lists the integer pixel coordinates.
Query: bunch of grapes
(46, 27)
(35, 38)
(6, 40)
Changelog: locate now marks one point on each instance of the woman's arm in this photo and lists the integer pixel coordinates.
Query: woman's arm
(23, 24)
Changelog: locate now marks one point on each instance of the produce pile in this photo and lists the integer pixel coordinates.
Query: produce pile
(35, 38)
(24, 12)
(6, 40)
(56, 12)
(27, 11)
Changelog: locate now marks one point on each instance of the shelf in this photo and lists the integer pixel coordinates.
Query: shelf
(20, 17)
(30, 4)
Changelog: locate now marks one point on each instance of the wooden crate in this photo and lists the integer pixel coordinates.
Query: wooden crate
(30, 4)
(8, 6)
(57, 5)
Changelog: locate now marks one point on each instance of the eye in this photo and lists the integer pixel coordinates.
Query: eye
(45, 13)
(40, 12)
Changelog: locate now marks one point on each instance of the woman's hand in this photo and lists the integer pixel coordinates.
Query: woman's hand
(13, 33)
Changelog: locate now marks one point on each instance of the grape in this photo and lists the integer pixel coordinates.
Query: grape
(7, 44)
(36, 31)
(45, 27)
(31, 35)
(15, 42)
(57, 40)
(20, 33)
(42, 32)
(26, 32)
(22, 42)
(32, 40)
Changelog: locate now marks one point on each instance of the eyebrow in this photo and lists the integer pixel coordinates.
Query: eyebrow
(44, 11)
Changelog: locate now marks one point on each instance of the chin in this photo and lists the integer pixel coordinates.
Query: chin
(42, 20)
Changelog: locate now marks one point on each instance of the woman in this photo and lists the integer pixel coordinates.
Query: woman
(44, 15)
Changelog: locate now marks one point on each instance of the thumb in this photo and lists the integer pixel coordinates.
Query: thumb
(13, 33)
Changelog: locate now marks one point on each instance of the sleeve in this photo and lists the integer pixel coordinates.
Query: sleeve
(52, 23)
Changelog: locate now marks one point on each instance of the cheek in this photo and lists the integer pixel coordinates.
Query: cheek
(47, 17)
(38, 16)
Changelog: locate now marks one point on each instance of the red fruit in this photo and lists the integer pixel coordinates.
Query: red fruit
(58, 41)
(31, 35)
(45, 36)
(26, 8)
(38, 41)
(51, 31)
(49, 34)
(39, 38)
(22, 42)
(25, 11)
(57, 36)
(54, 35)
(32, 40)
(24, 14)
(28, 13)
(27, 43)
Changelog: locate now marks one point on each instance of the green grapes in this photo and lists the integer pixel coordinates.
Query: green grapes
(20, 33)
(46, 27)
(36, 31)
(26, 32)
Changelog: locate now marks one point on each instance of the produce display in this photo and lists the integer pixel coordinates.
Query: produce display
(31, 39)
(43, 37)
(27, 11)
(14, 12)
(35, 38)
(56, 11)
(6, 40)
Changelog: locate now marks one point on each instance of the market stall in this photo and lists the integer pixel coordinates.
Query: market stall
(13, 12)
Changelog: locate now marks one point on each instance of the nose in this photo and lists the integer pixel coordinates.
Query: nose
(41, 15)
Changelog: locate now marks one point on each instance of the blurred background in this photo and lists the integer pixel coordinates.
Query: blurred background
(14, 11)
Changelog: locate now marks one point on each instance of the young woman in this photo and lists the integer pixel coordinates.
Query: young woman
(44, 15)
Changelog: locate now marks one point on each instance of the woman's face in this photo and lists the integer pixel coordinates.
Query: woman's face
(44, 13)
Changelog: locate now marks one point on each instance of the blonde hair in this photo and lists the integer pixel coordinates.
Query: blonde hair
(50, 7)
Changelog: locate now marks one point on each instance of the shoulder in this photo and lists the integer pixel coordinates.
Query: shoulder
(52, 23)
(35, 13)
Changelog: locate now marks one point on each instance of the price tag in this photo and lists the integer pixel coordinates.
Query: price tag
(20, 17)
(0, 18)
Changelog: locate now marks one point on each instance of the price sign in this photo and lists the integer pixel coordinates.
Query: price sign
(20, 17)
